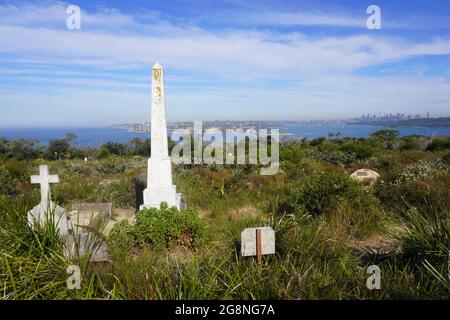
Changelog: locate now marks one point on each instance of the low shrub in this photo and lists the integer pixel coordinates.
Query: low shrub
(7, 185)
(446, 158)
(102, 153)
(11, 175)
(165, 227)
(122, 237)
(321, 193)
(160, 228)
(119, 192)
(439, 144)
(81, 170)
(332, 156)
(110, 167)
(422, 170)
(424, 193)
(360, 151)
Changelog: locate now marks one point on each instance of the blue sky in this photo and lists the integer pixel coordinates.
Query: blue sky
(234, 59)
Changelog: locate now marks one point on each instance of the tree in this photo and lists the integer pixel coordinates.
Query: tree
(102, 153)
(385, 135)
(333, 135)
(58, 148)
(118, 149)
(71, 137)
(140, 147)
(25, 149)
(3, 146)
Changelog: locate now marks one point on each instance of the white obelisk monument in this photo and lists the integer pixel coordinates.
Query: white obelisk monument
(159, 175)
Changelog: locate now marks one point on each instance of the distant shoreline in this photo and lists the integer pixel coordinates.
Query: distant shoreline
(443, 122)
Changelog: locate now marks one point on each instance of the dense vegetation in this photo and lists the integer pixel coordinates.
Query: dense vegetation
(329, 228)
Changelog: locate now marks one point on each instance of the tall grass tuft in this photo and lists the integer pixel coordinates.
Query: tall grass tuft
(33, 264)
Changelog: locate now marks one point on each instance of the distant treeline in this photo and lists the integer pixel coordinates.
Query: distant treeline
(423, 122)
(65, 148)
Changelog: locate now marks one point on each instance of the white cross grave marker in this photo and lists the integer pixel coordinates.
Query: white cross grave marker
(44, 179)
(40, 213)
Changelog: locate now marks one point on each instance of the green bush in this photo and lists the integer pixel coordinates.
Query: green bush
(200, 192)
(332, 156)
(165, 227)
(58, 149)
(446, 158)
(6, 184)
(118, 149)
(11, 175)
(18, 170)
(422, 170)
(102, 153)
(24, 149)
(294, 162)
(110, 167)
(432, 192)
(122, 236)
(361, 151)
(414, 142)
(439, 144)
(81, 170)
(119, 192)
(320, 193)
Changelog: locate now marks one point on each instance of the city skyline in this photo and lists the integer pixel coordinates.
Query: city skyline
(265, 60)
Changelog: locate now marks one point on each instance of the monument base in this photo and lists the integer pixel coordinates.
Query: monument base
(154, 196)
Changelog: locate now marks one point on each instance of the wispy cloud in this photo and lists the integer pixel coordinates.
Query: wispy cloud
(237, 52)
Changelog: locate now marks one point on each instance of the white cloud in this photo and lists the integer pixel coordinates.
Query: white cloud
(232, 53)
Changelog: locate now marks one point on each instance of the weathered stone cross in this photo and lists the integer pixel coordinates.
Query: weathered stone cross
(44, 179)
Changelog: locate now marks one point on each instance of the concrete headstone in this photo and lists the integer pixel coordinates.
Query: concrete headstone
(88, 219)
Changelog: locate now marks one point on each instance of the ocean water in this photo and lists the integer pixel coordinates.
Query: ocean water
(95, 137)
(92, 137)
(312, 131)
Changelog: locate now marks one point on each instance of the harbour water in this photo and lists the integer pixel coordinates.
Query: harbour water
(95, 137)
